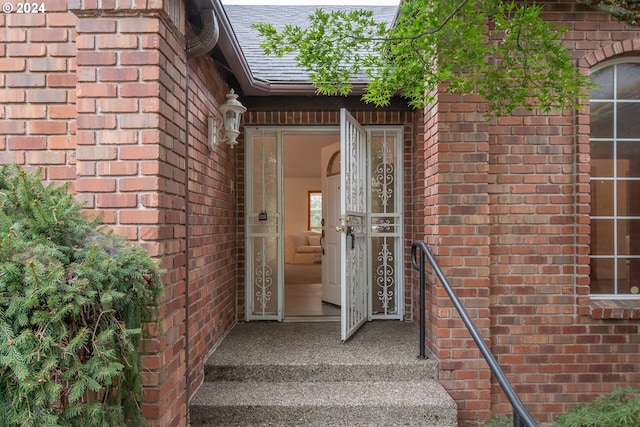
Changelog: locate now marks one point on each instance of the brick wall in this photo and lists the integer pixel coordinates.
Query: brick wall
(456, 193)
(414, 188)
(532, 191)
(38, 90)
(131, 151)
(510, 227)
(213, 245)
(557, 353)
(425, 178)
(129, 166)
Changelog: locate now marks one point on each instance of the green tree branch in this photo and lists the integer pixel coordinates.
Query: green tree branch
(501, 50)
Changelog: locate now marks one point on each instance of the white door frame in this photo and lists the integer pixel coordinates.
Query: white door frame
(252, 212)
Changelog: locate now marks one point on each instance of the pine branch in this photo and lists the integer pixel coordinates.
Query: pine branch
(65, 292)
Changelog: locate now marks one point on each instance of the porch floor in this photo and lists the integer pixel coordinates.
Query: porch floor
(263, 343)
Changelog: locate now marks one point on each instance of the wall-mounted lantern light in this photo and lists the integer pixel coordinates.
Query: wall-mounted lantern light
(232, 111)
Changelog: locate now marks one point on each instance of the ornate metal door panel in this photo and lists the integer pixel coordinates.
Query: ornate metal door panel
(385, 166)
(264, 258)
(353, 211)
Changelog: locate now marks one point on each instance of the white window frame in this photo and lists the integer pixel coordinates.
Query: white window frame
(615, 217)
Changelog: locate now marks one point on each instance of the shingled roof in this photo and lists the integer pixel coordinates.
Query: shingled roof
(270, 69)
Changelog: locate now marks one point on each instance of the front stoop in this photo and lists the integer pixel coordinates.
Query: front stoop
(300, 374)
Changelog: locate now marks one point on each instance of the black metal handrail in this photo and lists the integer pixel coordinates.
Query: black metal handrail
(521, 416)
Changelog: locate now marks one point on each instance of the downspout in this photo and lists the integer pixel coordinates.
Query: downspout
(208, 37)
(197, 46)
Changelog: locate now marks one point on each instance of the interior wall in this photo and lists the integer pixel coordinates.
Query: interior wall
(296, 211)
(302, 173)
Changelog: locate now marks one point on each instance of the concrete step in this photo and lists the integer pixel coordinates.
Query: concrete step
(279, 374)
(340, 403)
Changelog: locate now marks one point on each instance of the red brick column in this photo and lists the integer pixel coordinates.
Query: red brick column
(130, 103)
(457, 232)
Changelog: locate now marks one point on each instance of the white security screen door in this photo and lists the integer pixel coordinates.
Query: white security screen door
(384, 146)
(353, 216)
(263, 219)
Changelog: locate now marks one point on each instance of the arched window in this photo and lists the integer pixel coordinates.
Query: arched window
(615, 180)
(333, 166)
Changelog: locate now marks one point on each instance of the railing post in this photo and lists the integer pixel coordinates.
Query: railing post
(422, 354)
(419, 265)
(517, 421)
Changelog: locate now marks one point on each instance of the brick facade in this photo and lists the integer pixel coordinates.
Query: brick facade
(38, 90)
(94, 92)
(507, 215)
(456, 228)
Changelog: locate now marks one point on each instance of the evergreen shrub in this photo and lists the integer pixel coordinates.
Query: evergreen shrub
(74, 300)
(620, 408)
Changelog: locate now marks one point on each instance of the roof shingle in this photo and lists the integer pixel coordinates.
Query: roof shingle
(272, 68)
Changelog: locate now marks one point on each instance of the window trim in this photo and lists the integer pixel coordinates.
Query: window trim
(309, 194)
(600, 301)
(616, 61)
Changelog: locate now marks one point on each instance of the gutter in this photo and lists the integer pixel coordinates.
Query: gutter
(208, 38)
(233, 52)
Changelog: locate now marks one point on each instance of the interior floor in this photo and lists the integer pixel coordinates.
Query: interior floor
(303, 292)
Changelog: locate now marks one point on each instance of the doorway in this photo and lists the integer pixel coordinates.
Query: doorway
(371, 177)
(304, 231)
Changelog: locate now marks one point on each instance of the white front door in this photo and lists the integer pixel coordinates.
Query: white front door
(353, 216)
(331, 249)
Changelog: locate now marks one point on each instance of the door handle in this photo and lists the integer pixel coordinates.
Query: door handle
(345, 229)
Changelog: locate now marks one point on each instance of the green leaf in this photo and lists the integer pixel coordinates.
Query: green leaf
(501, 50)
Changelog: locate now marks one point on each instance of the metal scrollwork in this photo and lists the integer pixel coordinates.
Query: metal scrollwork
(383, 175)
(385, 278)
(263, 277)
